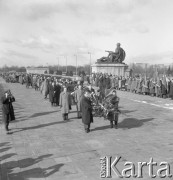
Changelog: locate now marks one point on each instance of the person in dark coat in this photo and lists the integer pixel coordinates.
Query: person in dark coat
(57, 93)
(111, 104)
(7, 109)
(52, 90)
(86, 109)
(164, 87)
(171, 89)
(152, 87)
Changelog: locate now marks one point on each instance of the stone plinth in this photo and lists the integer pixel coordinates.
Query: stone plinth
(110, 68)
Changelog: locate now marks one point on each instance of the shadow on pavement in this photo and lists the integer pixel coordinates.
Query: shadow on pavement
(42, 114)
(6, 156)
(40, 126)
(24, 118)
(127, 111)
(71, 112)
(27, 170)
(4, 149)
(4, 143)
(127, 123)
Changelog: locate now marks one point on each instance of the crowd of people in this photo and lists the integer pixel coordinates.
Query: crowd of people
(65, 92)
(60, 92)
(158, 87)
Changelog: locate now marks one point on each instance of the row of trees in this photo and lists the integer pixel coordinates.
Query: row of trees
(59, 70)
(85, 70)
(70, 70)
(151, 70)
(12, 68)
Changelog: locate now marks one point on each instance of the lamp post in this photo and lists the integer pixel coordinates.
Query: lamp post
(90, 62)
(66, 63)
(76, 63)
(146, 70)
(58, 63)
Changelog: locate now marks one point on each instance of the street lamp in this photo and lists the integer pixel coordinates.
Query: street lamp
(146, 70)
(58, 63)
(90, 62)
(76, 63)
(66, 63)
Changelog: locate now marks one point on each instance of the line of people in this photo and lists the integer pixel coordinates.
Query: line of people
(65, 93)
(158, 87)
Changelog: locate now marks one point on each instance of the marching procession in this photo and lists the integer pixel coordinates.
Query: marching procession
(89, 101)
(96, 97)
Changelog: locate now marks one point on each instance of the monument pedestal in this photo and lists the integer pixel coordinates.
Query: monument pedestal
(111, 68)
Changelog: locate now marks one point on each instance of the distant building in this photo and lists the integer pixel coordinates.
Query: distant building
(143, 65)
(128, 72)
(169, 65)
(160, 65)
(37, 70)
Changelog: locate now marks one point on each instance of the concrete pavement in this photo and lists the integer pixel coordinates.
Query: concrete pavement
(44, 147)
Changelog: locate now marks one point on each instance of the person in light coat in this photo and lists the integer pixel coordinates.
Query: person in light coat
(65, 103)
(77, 95)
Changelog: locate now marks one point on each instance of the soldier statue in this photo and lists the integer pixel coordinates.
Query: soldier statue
(114, 57)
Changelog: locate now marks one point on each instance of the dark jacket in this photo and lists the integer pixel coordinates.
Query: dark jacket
(52, 91)
(86, 110)
(171, 90)
(57, 93)
(7, 107)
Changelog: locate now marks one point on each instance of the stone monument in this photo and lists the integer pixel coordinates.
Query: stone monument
(113, 63)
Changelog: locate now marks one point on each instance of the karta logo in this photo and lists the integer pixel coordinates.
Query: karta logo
(109, 166)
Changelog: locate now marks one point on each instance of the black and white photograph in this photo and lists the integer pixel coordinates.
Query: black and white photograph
(86, 89)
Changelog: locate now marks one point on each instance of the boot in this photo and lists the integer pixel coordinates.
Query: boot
(116, 125)
(63, 116)
(79, 115)
(66, 117)
(111, 124)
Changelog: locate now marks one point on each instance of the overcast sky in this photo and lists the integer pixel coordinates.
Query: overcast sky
(37, 32)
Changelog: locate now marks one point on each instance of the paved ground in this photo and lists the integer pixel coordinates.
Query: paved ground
(44, 147)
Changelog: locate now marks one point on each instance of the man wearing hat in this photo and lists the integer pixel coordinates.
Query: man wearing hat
(7, 109)
(86, 109)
